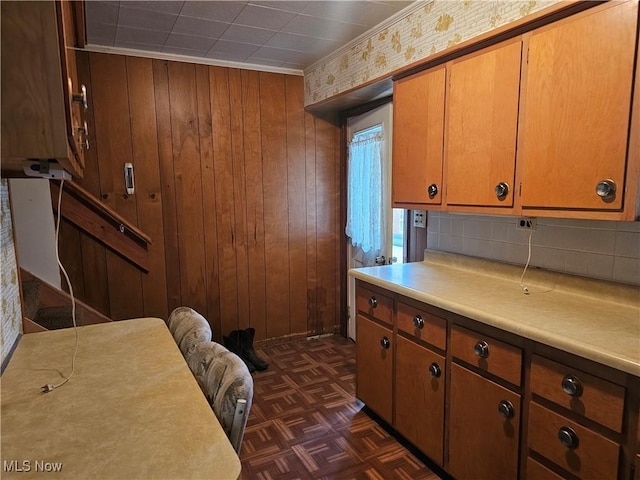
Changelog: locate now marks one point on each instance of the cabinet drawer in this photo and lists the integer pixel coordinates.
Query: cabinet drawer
(488, 354)
(596, 399)
(375, 304)
(593, 457)
(422, 325)
(537, 471)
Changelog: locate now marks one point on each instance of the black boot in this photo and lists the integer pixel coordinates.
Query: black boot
(233, 343)
(246, 349)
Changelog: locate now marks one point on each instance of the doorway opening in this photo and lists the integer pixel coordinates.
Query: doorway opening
(376, 122)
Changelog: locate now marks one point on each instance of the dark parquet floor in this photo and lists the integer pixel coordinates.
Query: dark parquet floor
(305, 422)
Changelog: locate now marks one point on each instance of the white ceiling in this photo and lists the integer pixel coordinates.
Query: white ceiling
(282, 34)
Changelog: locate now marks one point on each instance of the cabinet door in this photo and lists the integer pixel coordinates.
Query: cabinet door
(419, 397)
(418, 129)
(374, 366)
(75, 110)
(482, 120)
(577, 108)
(483, 444)
(36, 121)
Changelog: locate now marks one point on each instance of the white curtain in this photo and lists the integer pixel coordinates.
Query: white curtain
(365, 207)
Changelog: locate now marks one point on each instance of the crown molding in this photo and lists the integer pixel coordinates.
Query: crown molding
(189, 59)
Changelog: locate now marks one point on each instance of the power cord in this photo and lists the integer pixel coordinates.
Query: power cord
(525, 289)
(49, 387)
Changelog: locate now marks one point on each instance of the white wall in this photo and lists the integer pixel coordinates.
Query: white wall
(598, 249)
(11, 325)
(35, 228)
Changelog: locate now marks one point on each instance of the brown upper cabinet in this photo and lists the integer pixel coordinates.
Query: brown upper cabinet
(417, 142)
(482, 119)
(42, 103)
(577, 103)
(546, 123)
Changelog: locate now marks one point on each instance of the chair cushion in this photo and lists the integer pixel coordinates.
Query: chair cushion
(223, 378)
(188, 328)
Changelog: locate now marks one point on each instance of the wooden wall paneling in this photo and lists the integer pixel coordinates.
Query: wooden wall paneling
(69, 242)
(311, 217)
(328, 201)
(297, 204)
(188, 184)
(239, 198)
(147, 181)
(113, 140)
(276, 214)
(208, 200)
(254, 202)
(93, 255)
(168, 185)
(225, 205)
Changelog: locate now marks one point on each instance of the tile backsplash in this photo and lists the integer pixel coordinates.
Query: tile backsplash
(599, 249)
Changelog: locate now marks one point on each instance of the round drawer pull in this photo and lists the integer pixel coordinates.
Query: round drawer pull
(418, 321)
(385, 343)
(572, 386)
(435, 370)
(481, 349)
(432, 190)
(568, 437)
(373, 302)
(505, 409)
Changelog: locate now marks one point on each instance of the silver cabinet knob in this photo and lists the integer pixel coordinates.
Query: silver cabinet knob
(571, 385)
(505, 409)
(385, 343)
(568, 437)
(481, 349)
(373, 302)
(432, 190)
(502, 190)
(81, 97)
(418, 321)
(606, 188)
(435, 370)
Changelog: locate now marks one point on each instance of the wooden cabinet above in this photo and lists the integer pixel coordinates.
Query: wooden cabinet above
(41, 100)
(417, 144)
(577, 105)
(480, 147)
(545, 123)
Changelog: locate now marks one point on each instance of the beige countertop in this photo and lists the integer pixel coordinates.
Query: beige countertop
(132, 410)
(596, 320)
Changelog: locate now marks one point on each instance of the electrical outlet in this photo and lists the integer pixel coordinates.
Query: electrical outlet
(420, 218)
(526, 223)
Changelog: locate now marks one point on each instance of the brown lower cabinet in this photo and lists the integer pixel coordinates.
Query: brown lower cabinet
(537, 471)
(488, 404)
(484, 427)
(573, 447)
(374, 353)
(419, 397)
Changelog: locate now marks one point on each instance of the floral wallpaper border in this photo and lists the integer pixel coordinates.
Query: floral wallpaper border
(430, 27)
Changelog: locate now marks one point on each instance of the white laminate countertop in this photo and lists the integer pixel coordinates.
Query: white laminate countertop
(132, 409)
(596, 320)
